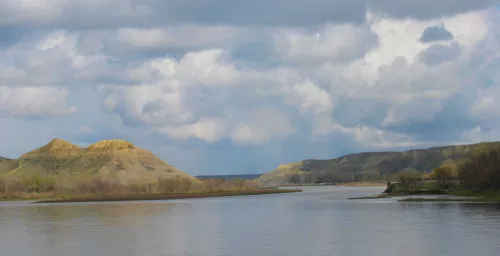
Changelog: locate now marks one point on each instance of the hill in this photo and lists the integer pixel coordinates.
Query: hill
(366, 166)
(7, 164)
(110, 159)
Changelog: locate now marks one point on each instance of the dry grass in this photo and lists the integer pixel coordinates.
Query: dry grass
(116, 158)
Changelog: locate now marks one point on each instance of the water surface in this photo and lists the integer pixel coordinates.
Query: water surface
(318, 221)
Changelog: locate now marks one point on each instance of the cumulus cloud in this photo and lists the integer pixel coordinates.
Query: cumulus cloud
(331, 43)
(303, 76)
(438, 53)
(207, 129)
(309, 97)
(260, 126)
(254, 126)
(194, 68)
(370, 137)
(180, 37)
(176, 98)
(35, 102)
(148, 104)
(53, 59)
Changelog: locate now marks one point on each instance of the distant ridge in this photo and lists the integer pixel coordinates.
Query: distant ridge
(229, 176)
(368, 165)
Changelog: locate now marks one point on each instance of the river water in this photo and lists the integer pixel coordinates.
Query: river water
(318, 221)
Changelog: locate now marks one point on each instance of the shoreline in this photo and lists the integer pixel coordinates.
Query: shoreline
(345, 184)
(450, 200)
(449, 197)
(363, 184)
(167, 196)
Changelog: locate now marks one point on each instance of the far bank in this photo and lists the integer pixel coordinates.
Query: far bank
(168, 196)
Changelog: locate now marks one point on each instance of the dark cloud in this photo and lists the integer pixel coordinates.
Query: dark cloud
(355, 111)
(438, 53)
(79, 14)
(264, 12)
(436, 33)
(446, 125)
(84, 15)
(427, 9)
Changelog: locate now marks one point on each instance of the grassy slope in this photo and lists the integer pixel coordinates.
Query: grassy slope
(112, 158)
(7, 164)
(384, 162)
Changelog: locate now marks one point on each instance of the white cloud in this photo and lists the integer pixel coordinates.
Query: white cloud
(400, 38)
(486, 105)
(388, 75)
(149, 104)
(181, 37)
(256, 126)
(207, 129)
(377, 138)
(309, 97)
(34, 101)
(260, 125)
(332, 43)
(55, 59)
(208, 67)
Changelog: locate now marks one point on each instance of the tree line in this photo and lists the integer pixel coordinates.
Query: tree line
(477, 173)
(53, 185)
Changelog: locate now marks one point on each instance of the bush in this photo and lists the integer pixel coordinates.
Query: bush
(481, 171)
(444, 175)
(391, 187)
(409, 180)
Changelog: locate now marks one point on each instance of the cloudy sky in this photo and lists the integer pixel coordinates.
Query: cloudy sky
(224, 87)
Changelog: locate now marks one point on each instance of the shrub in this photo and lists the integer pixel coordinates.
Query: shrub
(409, 180)
(443, 175)
(481, 171)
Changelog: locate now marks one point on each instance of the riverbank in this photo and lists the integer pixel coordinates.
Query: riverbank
(462, 196)
(167, 196)
(345, 184)
(440, 196)
(363, 184)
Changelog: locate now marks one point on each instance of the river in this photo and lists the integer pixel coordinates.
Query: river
(318, 221)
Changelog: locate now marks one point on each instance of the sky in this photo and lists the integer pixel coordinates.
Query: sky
(228, 87)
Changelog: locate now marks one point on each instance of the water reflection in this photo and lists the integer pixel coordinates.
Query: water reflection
(318, 222)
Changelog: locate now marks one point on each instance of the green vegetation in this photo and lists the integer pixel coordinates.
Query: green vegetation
(475, 178)
(371, 166)
(35, 187)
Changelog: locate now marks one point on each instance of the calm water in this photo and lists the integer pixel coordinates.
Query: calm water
(319, 221)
